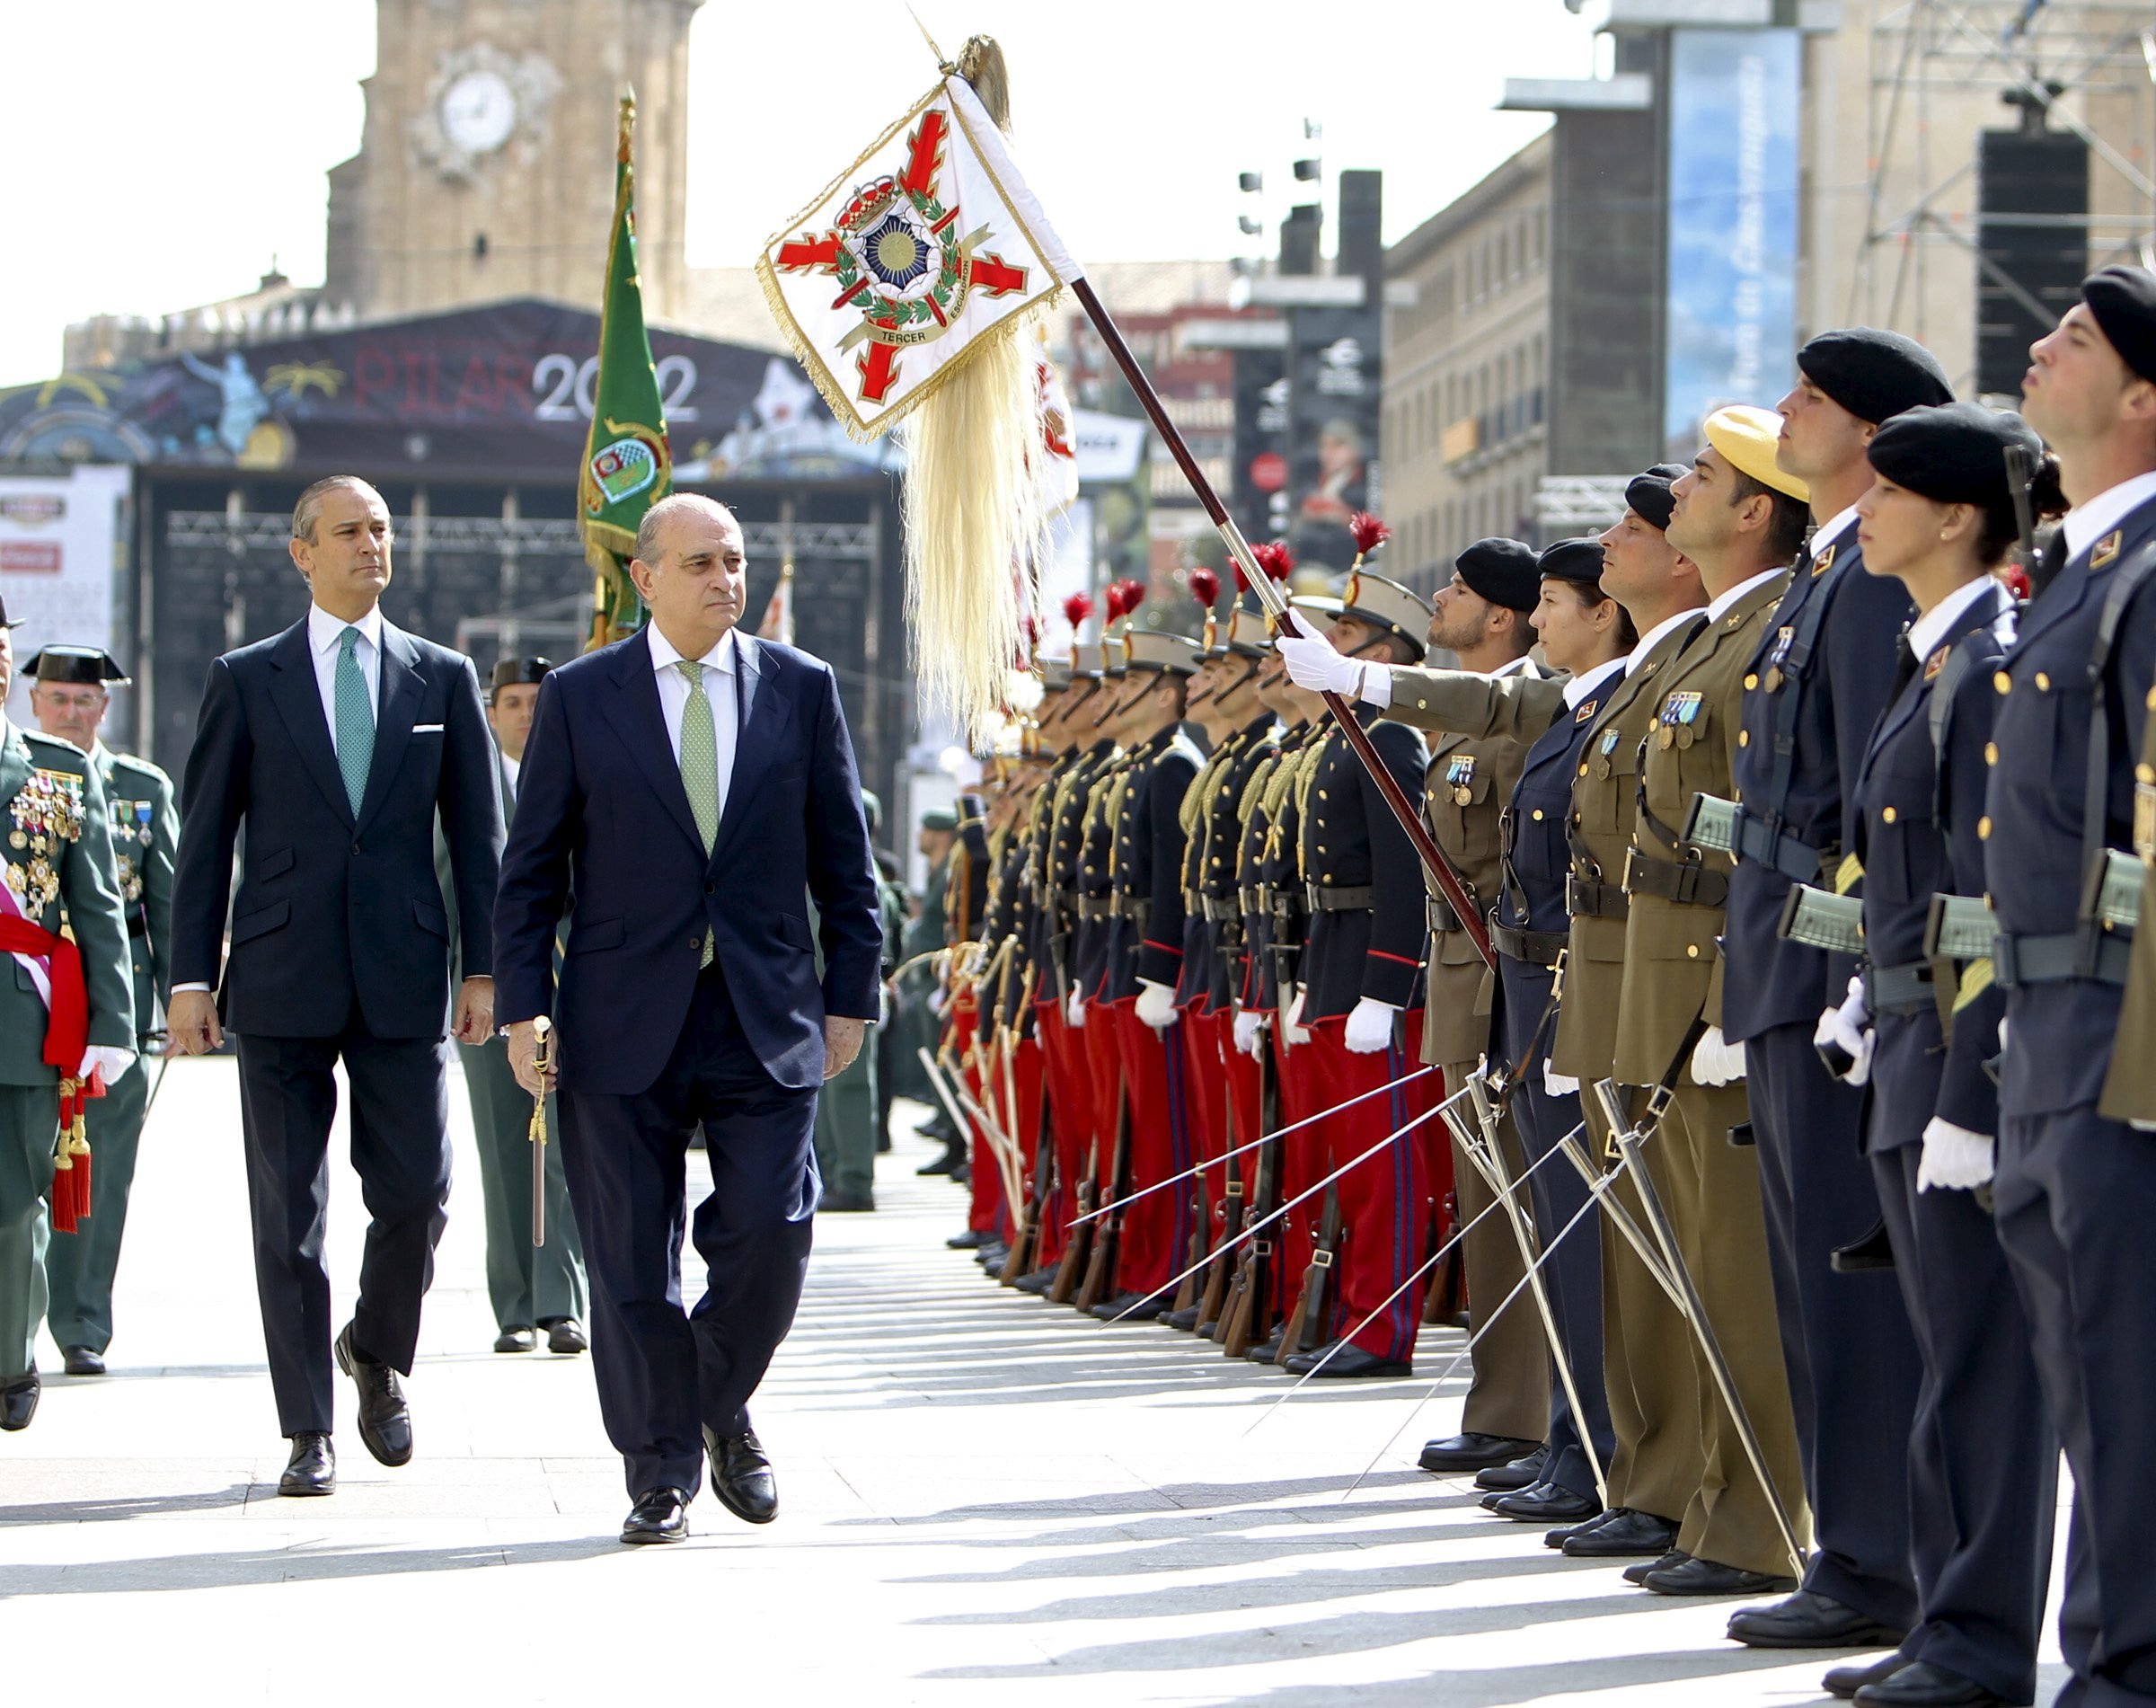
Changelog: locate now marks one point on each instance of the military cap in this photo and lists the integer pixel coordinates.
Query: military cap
(1502, 571)
(1873, 374)
(1747, 438)
(1954, 454)
(1085, 660)
(509, 673)
(87, 665)
(1055, 674)
(939, 818)
(1161, 650)
(2124, 301)
(871, 807)
(1647, 495)
(1388, 606)
(1578, 562)
(1245, 631)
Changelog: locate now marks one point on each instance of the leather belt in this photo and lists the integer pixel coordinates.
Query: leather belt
(1593, 899)
(1790, 855)
(1139, 909)
(1691, 885)
(1222, 908)
(1352, 899)
(1438, 914)
(1254, 899)
(1899, 990)
(1540, 947)
(1094, 906)
(2048, 960)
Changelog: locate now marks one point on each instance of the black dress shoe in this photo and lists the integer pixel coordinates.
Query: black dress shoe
(1810, 1620)
(1873, 1251)
(384, 1420)
(659, 1515)
(565, 1335)
(1523, 1472)
(1709, 1578)
(1545, 1503)
(313, 1467)
(1133, 1308)
(845, 1202)
(1265, 1352)
(1185, 1319)
(950, 1162)
(18, 1402)
(1037, 1282)
(1846, 1681)
(1623, 1534)
(1472, 1451)
(1345, 1363)
(1637, 1573)
(993, 1258)
(971, 1239)
(516, 1339)
(741, 1476)
(1563, 1534)
(81, 1360)
(1922, 1684)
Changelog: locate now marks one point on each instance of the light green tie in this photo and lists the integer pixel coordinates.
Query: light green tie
(700, 764)
(355, 719)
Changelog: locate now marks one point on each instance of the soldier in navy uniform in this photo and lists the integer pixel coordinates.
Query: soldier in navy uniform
(1819, 682)
(71, 689)
(1983, 1460)
(2076, 1191)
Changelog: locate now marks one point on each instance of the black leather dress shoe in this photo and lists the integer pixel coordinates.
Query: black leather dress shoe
(993, 1258)
(1709, 1578)
(1265, 1352)
(1563, 1534)
(1545, 1503)
(1133, 1308)
(18, 1402)
(845, 1202)
(952, 1160)
(1523, 1472)
(1624, 1534)
(659, 1515)
(565, 1335)
(1346, 1362)
(81, 1360)
(1846, 1681)
(516, 1339)
(1185, 1319)
(1472, 1451)
(1036, 1281)
(1810, 1620)
(1921, 1685)
(384, 1420)
(313, 1467)
(1873, 1251)
(1637, 1573)
(741, 1476)
(971, 1239)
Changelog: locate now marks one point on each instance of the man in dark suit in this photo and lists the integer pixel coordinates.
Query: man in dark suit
(692, 789)
(337, 742)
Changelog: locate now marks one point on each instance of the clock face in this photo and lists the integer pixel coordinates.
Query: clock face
(479, 111)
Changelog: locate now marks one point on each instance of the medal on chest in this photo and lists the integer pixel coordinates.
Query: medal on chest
(1784, 638)
(1679, 717)
(1460, 778)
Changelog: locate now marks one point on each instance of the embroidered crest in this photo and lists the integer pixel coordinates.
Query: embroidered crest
(2106, 550)
(1823, 562)
(1933, 664)
(1586, 711)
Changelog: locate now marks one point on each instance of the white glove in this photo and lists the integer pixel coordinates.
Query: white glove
(1250, 1025)
(938, 1001)
(114, 1059)
(1717, 1062)
(1558, 1084)
(1370, 1027)
(1290, 1032)
(1073, 1011)
(1156, 1004)
(1848, 1028)
(1955, 1160)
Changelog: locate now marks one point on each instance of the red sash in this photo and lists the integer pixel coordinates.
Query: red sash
(66, 1038)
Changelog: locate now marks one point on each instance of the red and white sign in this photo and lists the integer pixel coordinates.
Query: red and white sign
(62, 541)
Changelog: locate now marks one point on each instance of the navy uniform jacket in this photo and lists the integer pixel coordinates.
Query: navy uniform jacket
(1838, 691)
(339, 918)
(1212, 931)
(604, 831)
(1270, 890)
(1916, 835)
(1063, 862)
(2034, 862)
(1351, 841)
(1531, 894)
(1147, 869)
(1090, 940)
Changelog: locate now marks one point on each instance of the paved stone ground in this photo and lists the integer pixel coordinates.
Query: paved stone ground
(986, 1500)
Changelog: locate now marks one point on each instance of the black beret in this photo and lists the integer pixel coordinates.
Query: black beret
(1502, 571)
(1954, 454)
(1578, 562)
(1647, 495)
(1874, 375)
(2124, 301)
(86, 665)
(509, 673)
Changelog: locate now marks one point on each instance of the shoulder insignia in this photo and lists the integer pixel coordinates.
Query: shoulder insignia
(1586, 711)
(1933, 664)
(1825, 560)
(2106, 550)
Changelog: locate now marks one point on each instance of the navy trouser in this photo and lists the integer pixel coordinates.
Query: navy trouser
(663, 1373)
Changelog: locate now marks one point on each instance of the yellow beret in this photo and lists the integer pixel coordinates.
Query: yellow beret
(1746, 437)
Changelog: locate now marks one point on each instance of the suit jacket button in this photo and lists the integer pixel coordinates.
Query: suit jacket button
(711, 889)
(696, 942)
(355, 847)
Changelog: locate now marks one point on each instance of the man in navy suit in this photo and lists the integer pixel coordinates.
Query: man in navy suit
(685, 793)
(338, 743)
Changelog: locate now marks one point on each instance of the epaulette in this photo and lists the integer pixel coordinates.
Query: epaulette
(133, 762)
(59, 743)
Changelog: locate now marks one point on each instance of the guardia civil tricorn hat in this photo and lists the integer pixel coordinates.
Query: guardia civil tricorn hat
(89, 666)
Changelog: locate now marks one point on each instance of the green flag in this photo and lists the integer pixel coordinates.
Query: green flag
(627, 467)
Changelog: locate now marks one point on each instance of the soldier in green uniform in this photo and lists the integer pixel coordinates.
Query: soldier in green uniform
(531, 1288)
(69, 694)
(846, 1107)
(56, 861)
(920, 1026)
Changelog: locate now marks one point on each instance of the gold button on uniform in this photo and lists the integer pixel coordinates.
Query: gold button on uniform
(2043, 682)
(1887, 814)
(1991, 753)
(1752, 679)
(1983, 828)
(1583, 769)
(1743, 738)
(1692, 949)
(2002, 681)
(1537, 811)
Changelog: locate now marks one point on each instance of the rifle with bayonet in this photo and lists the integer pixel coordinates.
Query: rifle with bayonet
(1099, 1284)
(1246, 1316)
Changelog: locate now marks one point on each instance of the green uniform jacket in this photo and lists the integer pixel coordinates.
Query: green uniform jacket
(145, 836)
(55, 878)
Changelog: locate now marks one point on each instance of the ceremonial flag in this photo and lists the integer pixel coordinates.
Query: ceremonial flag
(777, 615)
(627, 466)
(902, 289)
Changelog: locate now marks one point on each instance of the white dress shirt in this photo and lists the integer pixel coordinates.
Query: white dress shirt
(718, 665)
(325, 636)
(510, 768)
(1831, 531)
(2086, 524)
(1652, 638)
(1577, 688)
(1929, 631)
(1718, 607)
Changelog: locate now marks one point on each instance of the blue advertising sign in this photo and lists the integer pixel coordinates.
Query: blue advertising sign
(1732, 322)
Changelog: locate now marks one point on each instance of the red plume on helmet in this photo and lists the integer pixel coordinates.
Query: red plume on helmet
(1124, 597)
(1275, 559)
(1205, 586)
(1077, 608)
(1368, 532)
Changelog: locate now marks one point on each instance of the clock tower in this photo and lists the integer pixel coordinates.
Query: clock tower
(486, 168)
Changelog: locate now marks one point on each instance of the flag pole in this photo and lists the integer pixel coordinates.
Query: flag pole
(1434, 862)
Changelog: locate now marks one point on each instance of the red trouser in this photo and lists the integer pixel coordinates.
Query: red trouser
(1156, 1229)
(1070, 1119)
(985, 1214)
(1205, 1113)
(1388, 1199)
(1300, 1165)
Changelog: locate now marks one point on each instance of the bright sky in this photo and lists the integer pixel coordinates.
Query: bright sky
(164, 163)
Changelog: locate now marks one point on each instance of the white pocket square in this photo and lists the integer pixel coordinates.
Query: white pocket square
(427, 729)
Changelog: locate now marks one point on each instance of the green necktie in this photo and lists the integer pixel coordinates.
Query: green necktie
(700, 764)
(355, 719)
